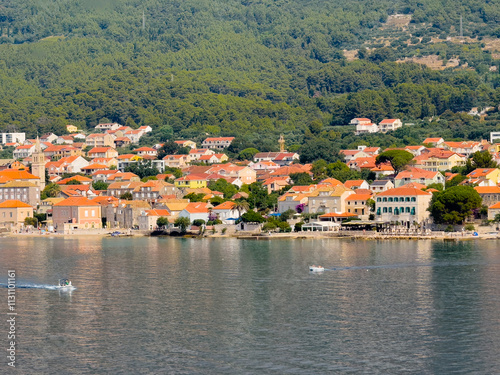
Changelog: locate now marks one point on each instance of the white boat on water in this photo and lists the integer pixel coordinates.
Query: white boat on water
(65, 284)
(314, 268)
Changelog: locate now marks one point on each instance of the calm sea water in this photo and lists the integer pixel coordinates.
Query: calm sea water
(227, 306)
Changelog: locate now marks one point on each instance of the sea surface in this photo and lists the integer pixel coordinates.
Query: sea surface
(228, 306)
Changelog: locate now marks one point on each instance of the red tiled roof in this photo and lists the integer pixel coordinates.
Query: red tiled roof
(225, 206)
(14, 203)
(76, 201)
(358, 197)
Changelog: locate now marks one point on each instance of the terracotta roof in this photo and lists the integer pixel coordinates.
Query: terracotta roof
(413, 172)
(14, 203)
(98, 150)
(402, 191)
(219, 139)
(127, 156)
(358, 197)
(388, 121)
(415, 185)
(495, 206)
(196, 207)
(193, 177)
(157, 212)
(76, 201)
(481, 172)
(351, 183)
(432, 140)
(105, 199)
(207, 157)
(145, 149)
(95, 166)
(76, 177)
(225, 206)
(487, 189)
(17, 174)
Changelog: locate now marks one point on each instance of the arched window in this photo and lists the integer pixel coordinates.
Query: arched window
(390, 199)
(407, 199)
(385, 199)
(385, 210)
(396, 211)
(390, 210)
(413, 199)
(378, 211)
(407, 210)
(413, 210)
(379, 200)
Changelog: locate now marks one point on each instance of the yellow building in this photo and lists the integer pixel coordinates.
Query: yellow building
(71, 128)
(13, 212)
(492, 174)
(191, 181)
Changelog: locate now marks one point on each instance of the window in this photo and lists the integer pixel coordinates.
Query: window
(407, 210)
(390, 210)
(385, 199)
(390, 199)
(395, 199)
(378, 211)
(413, 199)
(86, 213)
(413, 210)
(396, 211)
(407, 199)
(385, 210)
(379, 200)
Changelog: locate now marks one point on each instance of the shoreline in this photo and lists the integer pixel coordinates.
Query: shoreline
(274, 236)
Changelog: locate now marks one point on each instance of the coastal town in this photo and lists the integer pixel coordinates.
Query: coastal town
(107, 181)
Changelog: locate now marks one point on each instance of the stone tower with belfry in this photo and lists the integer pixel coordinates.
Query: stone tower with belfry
(281, 142)
(38, 164)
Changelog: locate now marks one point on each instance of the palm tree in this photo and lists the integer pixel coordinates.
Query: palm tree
(241, 206)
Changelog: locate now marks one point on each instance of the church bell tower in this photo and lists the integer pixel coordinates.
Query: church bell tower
(38, 164)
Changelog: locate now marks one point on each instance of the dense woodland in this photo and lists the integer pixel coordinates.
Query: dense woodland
(244, 68)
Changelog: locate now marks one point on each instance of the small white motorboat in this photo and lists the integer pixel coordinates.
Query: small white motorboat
(65, 284)
(314, 268)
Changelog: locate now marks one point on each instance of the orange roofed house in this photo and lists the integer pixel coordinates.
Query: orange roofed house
(76, 213)
(404, 205)
(13, 212)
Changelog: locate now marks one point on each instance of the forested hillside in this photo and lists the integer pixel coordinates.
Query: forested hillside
(244, 68)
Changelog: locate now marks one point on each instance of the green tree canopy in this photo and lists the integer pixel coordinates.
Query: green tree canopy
(51, 190)
(480, 159)
(224, 187)
(398, 159)
(252, 217)
(162, 221)
(99, 185)
(454, 205)
(301, 178)
(182, 223)
(248, 153)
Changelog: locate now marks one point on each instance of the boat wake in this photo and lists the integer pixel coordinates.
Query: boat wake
(37, 286)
